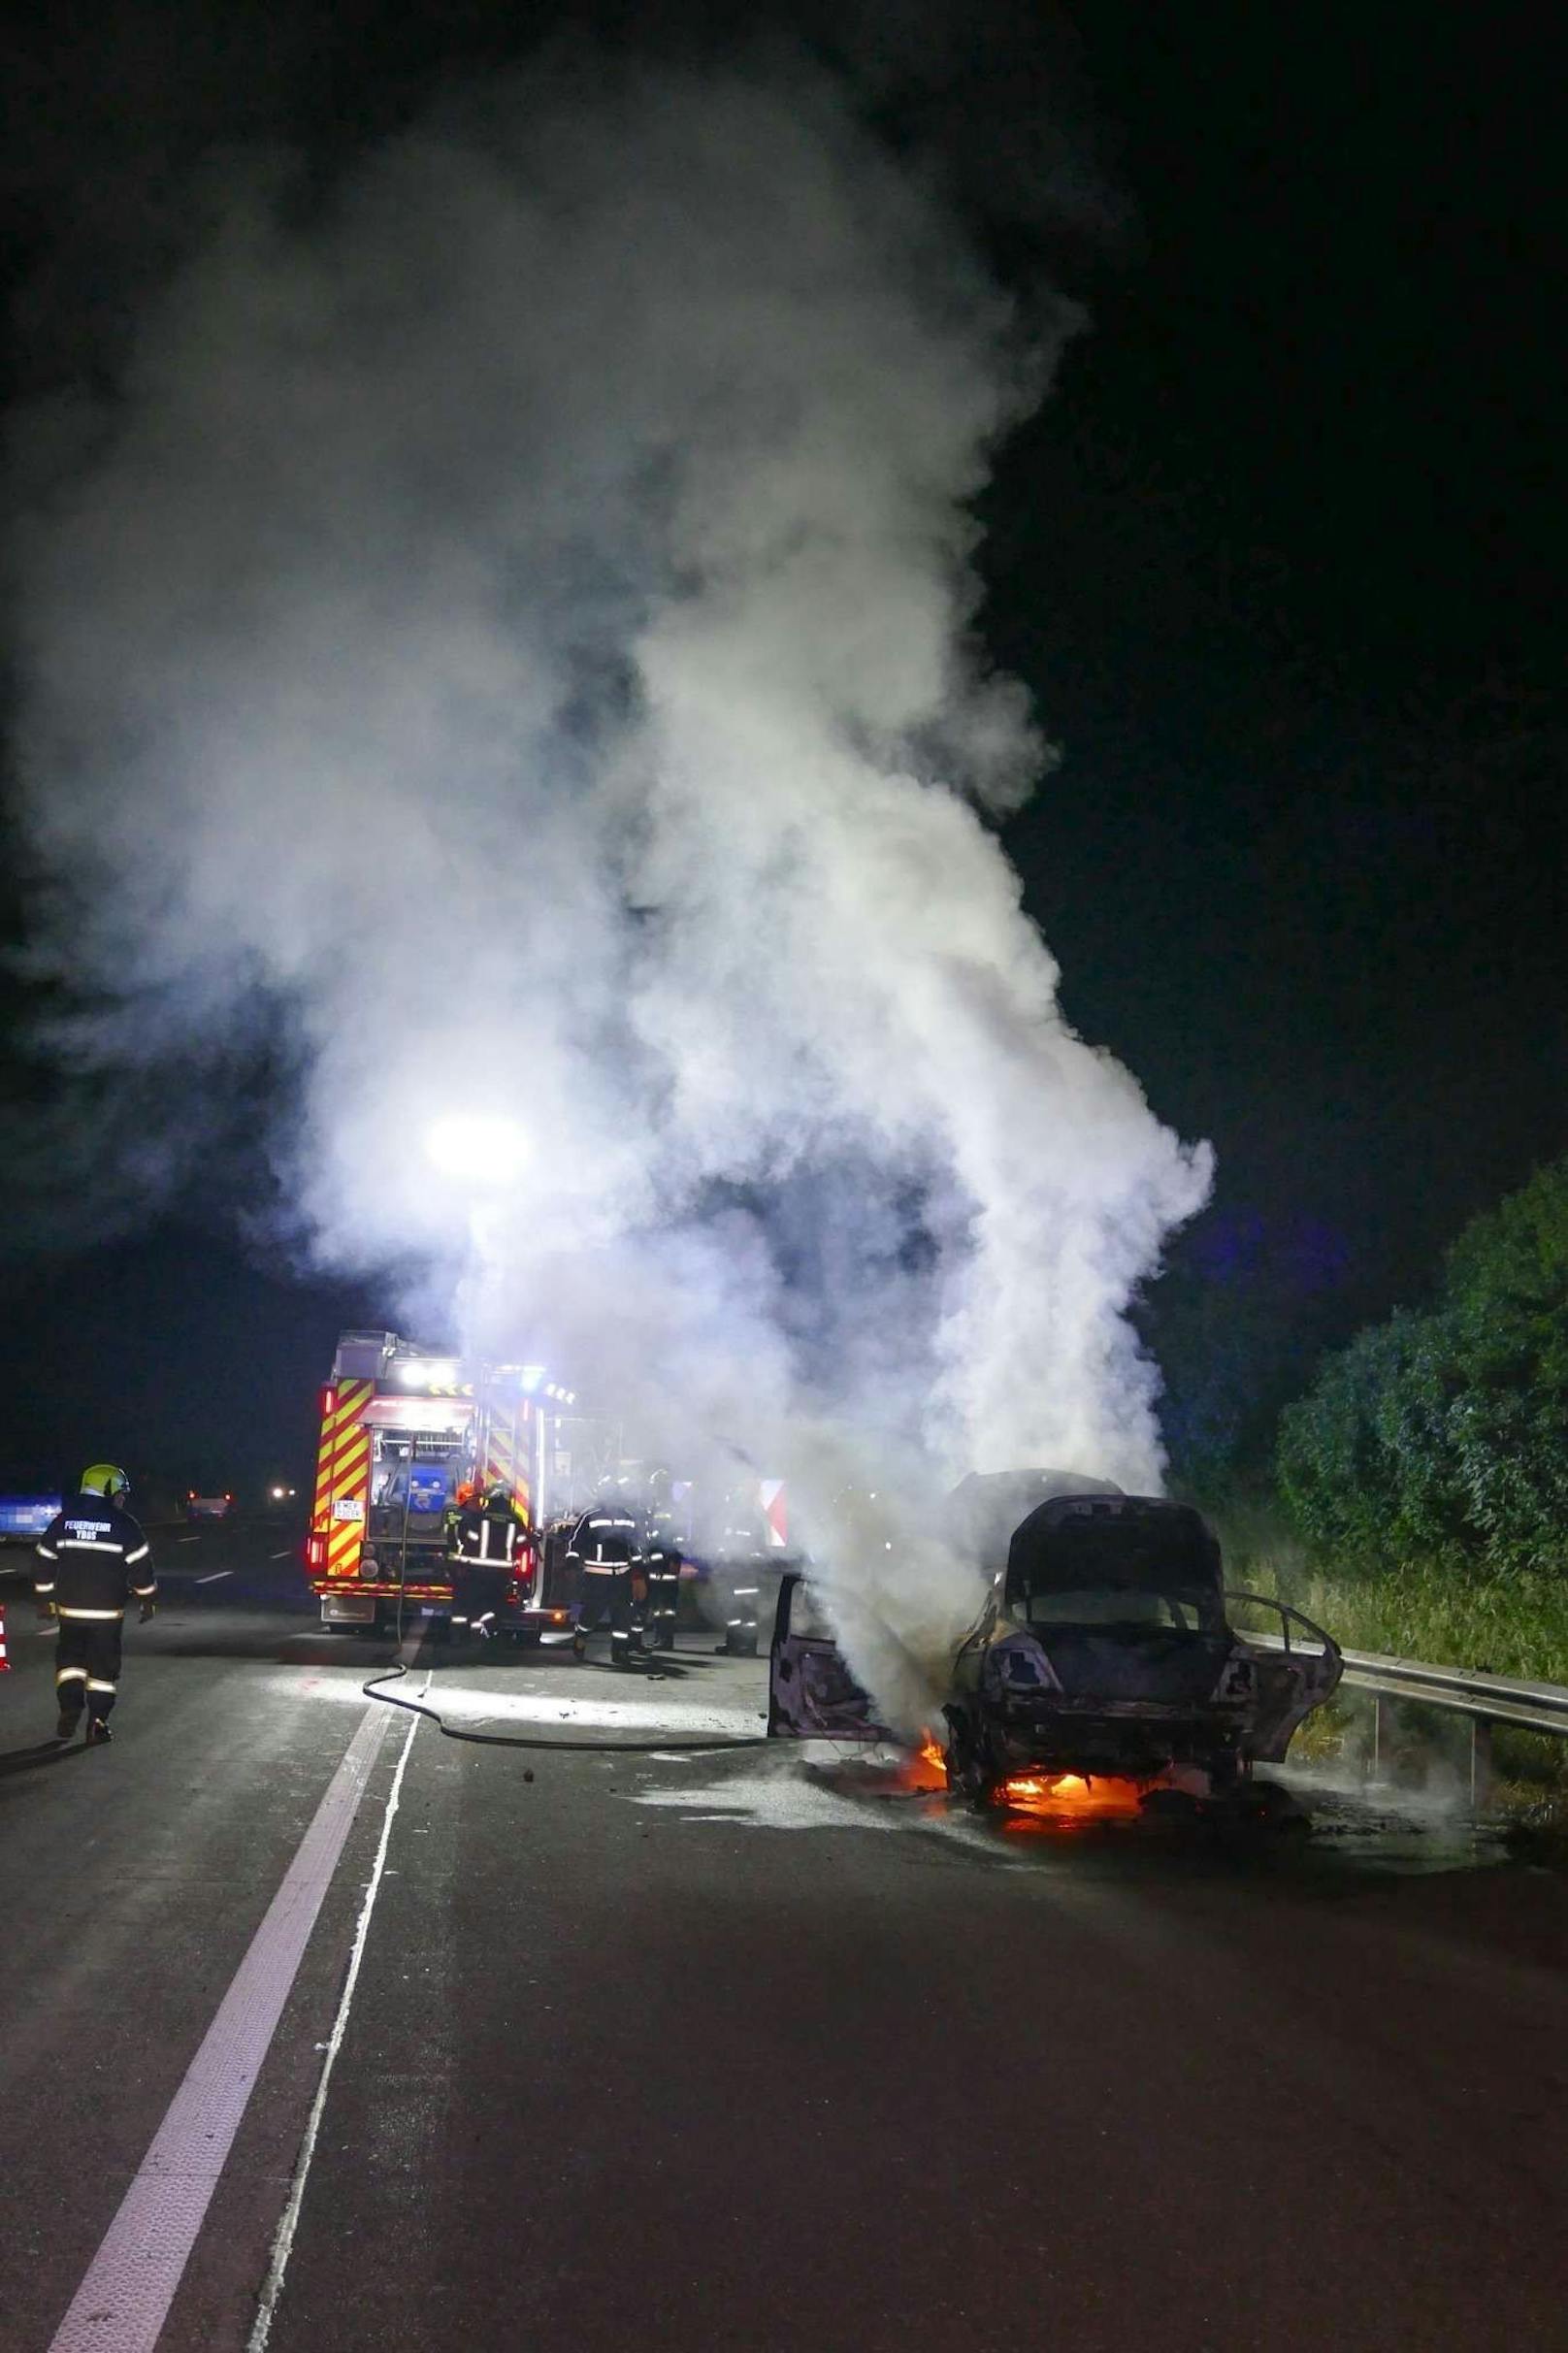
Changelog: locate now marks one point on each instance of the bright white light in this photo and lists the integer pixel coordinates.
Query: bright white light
(479, 1149)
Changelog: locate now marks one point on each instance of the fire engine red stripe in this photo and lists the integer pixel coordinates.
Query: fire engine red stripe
(348, 1473)
(356, 1450)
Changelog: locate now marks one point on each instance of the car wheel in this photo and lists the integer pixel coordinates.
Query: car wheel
(1168, 1808)
(1264, 1805)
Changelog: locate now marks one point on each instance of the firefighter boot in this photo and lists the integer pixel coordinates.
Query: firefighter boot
(98, 1732)
(66, 1722)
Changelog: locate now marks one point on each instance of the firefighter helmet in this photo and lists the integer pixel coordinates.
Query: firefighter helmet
(105, 1479)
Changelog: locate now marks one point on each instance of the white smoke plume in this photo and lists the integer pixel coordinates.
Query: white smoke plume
(517, 618)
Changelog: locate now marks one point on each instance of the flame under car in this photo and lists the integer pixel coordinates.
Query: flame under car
(1105, 1650)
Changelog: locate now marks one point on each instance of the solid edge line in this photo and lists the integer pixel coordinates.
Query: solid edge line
(211, 2092)
(130, 2285)
(289, 2222)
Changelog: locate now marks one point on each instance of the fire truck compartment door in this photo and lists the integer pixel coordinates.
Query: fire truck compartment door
(811, 1694)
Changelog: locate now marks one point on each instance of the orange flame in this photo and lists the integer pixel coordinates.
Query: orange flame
(1072, 1796)
(1062, 1799)
(925, 1768)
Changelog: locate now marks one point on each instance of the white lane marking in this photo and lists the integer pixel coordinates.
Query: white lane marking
(188, 1539)
(288, 1553)
(284, 2238)
(124, 2300)
(213, 1576)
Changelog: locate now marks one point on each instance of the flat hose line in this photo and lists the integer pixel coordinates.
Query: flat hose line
(564, 1747)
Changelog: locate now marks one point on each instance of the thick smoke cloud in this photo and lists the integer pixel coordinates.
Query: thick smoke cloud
(517, 621)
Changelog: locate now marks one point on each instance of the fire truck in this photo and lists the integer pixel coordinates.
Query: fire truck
(402, 1429)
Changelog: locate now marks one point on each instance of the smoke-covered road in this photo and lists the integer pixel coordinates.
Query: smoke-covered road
(725, 2053)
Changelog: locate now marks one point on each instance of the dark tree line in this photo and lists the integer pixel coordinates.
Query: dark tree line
(1446, 1431)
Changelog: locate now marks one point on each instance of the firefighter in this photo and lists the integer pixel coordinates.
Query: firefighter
(489, 1532)
(606, 1548)
(663, 1556)
(739, 1565)
(92, 1558)
(452, 1517)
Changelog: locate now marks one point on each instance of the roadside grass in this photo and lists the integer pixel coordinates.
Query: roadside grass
(1447, 1612)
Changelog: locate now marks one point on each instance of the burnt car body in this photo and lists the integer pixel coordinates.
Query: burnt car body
(1105, 1646)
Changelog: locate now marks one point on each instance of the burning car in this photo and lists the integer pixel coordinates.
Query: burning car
(1105, 1648)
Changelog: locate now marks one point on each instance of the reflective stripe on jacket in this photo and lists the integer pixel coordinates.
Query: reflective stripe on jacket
(92, 1560)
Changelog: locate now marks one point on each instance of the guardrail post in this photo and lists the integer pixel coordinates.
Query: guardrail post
(1479, 1763)
(1377, 1736)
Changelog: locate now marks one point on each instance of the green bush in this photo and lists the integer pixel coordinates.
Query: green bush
(1443, 1437)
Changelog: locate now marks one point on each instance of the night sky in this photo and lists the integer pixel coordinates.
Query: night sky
(1276, 562)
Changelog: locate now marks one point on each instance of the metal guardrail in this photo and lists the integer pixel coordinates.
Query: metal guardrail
(1484, 1700)
(1488, 1699)
(1491, 1699)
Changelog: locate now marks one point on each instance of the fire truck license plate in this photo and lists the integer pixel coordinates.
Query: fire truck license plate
(343, 1606)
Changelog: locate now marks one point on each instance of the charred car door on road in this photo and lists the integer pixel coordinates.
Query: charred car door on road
(810, 1691)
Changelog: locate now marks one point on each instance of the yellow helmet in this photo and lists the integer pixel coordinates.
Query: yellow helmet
(105, 1479)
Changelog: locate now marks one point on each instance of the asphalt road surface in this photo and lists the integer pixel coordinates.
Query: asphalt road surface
(727, 2051)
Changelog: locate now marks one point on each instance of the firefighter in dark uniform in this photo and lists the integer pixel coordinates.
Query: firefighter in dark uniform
(607, 1547)
(489, 1537)
(92, 1558)
(740, 1564)
(663, 1558)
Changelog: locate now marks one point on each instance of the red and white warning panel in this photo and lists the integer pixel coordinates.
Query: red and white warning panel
(775, 1512)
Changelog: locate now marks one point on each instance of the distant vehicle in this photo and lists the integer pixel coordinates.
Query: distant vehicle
(403, 1430)
(25, 1512)
(277, 1492)
(1104, 1648)
(208, 1507)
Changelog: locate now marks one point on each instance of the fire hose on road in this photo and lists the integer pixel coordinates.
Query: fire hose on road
(703, 1744)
